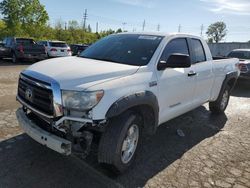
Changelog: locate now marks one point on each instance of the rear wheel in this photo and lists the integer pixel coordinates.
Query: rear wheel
(119, 143)
(220, 105)
(14, 58)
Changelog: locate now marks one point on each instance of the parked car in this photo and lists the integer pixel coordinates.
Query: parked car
(56, 48)
(120, 90)
(21, 49)
(78, 48)
(244, 56)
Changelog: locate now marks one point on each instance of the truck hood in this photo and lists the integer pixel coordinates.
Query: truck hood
(75, 73)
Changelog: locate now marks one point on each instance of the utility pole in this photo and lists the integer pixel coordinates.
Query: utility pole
(65, 25)
(158, 27)
(123, 26)
(179, 28)
(96, 29)
(143, 25)
(85, 16)
(202, 28)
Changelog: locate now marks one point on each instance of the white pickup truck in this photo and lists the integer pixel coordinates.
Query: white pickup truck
(119, 89)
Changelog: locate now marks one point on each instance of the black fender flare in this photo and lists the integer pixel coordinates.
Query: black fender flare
(134, 100)
(230, 76)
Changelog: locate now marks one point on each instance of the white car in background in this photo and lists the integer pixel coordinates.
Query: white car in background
(56, 48)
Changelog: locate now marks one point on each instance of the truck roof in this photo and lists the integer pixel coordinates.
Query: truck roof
(162, 34)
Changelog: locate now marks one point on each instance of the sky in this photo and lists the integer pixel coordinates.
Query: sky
(190, 16)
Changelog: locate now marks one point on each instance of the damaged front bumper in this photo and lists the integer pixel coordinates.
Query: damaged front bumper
(43, 137)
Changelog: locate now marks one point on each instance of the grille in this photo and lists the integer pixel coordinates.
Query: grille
(243, 68)
(36, 96)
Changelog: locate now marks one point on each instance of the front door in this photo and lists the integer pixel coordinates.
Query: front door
(176, 85)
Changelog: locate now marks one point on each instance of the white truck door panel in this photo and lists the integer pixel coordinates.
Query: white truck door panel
(176, 91)
(176, 88)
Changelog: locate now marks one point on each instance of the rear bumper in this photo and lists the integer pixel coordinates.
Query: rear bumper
(45, 138)
(59, 54)
(31, 56)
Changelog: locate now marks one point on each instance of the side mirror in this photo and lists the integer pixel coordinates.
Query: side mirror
(175, 61)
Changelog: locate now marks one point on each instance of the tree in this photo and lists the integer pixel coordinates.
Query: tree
(119, 30)
(89, 29)
(73, 25)
(216, 31)
(23, 16)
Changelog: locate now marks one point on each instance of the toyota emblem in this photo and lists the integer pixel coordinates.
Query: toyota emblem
(28, 94)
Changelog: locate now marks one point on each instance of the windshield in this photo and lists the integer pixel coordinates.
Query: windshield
(130, 49)
(240, 54)
(58, 44)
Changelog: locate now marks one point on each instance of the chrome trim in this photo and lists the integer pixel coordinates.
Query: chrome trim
(82, 120)
(33, 109)
(55, 87)
(34, 82)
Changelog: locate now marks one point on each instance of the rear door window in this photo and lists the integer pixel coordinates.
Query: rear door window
(25, 41)
(198, 51)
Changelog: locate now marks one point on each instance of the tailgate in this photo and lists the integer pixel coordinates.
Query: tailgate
(34, 49)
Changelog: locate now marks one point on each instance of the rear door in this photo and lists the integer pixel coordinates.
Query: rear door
(203, 70)
(176, 85)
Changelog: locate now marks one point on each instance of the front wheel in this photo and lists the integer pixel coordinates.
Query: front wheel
(220, 105)
(120, 141)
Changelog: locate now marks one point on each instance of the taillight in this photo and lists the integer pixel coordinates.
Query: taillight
(20, 48)
(53, 50)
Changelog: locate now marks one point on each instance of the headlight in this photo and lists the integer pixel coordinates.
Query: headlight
(81, 100)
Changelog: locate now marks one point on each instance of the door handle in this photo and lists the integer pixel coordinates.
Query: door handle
(192, 73)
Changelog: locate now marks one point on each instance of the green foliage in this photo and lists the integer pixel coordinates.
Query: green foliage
(23, 16)
(28, 18)
(216, 32)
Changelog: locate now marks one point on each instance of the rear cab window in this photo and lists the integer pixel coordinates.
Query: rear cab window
(25, 41)
(58, 44)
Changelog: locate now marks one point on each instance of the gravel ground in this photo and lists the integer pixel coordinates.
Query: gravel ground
(215, 151)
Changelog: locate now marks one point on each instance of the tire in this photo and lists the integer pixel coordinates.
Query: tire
(220, 105)
(14, 58)
(115, 148)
